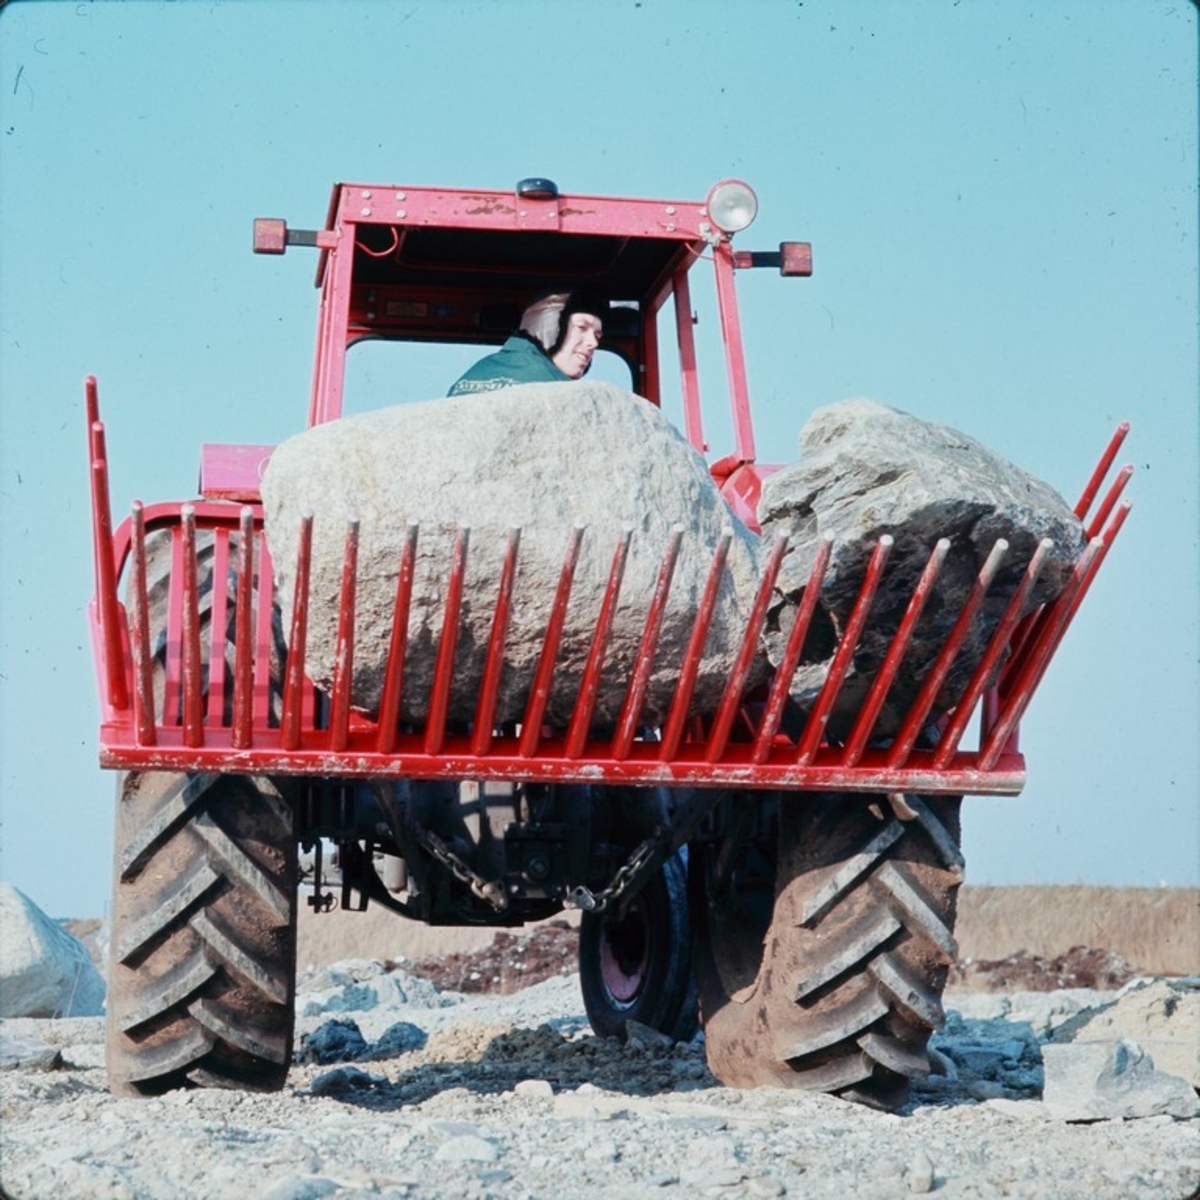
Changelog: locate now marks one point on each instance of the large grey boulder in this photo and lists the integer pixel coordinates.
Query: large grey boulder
(866, 470)
(44, 970)
(543, 457)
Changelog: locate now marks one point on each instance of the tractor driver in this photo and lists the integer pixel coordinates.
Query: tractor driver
(558, 335)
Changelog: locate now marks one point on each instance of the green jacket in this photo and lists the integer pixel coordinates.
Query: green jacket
(519, 360)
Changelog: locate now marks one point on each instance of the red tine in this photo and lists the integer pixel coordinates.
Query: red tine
(443, 672)
(915, 719)
(782, 682)
(139, 634)
(1031, 625)
(172, 671)
(393, 680)
(636, 694)
(1030, 628)
(732, 697)
(243, 646)
(267, 687)
(957, 725)
(218, 621)
(589, 684)
(106, 573)
(489, 687)
(857, 741)
(108, 606)
(1102, 469)
(293, 685)
(1113, 495)
(677, 717)
(539, 695)
(1062, 611)
(193, 707)
(814, 728)
(343, 662)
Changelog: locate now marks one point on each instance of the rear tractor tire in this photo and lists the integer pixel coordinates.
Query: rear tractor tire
(639, 967)
(821, 961)
(203, 950)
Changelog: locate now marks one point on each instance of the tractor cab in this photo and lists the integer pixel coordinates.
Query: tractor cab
(432, 266)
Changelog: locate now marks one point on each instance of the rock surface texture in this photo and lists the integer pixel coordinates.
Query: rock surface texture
(866, 470)
(44, 970)
(541, 457)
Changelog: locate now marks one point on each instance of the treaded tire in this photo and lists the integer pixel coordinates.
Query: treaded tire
(202, 974)
(640, 968)
(831, 977)
(201, 985)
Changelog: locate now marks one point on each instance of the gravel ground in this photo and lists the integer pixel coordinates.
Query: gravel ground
(510, 1095)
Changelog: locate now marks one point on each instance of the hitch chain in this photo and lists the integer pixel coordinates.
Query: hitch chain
(627, 874)
(490, 892)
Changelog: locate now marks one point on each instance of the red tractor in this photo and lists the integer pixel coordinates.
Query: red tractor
(792, 892)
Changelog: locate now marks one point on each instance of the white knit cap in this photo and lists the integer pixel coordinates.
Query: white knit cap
(541, 319)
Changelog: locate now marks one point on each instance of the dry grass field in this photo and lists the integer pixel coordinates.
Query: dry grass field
(1156, 930)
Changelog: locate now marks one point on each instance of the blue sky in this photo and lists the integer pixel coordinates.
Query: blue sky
(1002, 203)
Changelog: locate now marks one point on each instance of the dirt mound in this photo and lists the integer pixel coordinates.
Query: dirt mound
(509, 964)
(1079, 967)
(513, 962)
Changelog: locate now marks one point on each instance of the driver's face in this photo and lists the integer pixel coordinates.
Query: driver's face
(574, 356)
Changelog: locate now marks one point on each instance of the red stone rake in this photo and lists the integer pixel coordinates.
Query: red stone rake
(228, 701)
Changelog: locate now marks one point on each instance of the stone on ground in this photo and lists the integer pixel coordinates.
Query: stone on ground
(542, 457)
(866, 470)
(44, 970)
(1112, 1080)
(1161, 1015)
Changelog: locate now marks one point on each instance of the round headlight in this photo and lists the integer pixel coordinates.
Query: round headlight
(731, 205)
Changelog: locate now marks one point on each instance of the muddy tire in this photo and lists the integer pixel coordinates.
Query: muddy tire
(639, 967)
(821, 954)
(202, 974)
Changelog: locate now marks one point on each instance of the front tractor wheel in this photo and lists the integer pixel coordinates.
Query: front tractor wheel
(821, 955)
(202, 973)
(639, 966)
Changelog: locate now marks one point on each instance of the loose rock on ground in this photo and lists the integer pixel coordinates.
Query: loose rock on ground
(401, 1089)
